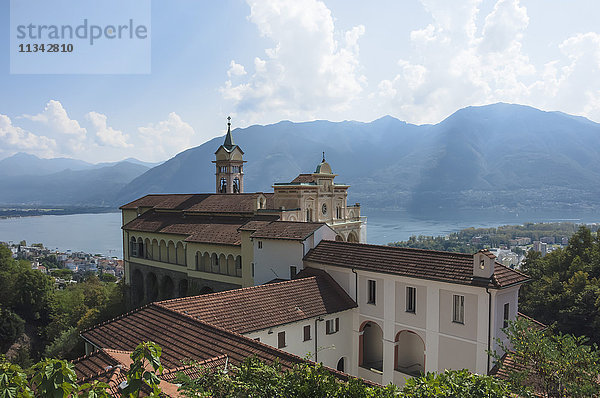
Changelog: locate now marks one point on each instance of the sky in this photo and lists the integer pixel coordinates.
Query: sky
(265, 61)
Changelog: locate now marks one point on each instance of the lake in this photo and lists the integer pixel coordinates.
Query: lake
(101, 233)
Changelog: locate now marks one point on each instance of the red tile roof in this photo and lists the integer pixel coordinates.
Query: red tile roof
(261, 307)
(202, 203)
(181, 337)
(416, 263)
(295, 230)
(303, 178)
(197, 228)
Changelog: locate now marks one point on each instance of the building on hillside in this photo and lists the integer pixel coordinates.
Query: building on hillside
(376, 312)
(387, 313)
(174, 245)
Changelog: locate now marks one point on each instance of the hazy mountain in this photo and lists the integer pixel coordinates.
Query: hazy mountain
(129, 160)
(25, 164)
(498, 156)
(22, 164)
(91, 187)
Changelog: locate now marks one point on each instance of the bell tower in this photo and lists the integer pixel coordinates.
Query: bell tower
(229, 165)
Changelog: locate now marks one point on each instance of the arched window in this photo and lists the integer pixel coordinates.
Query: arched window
(214, 263)
(223, 188)
(340, 365)
(133, 247)
(236, 185)
(309, 214)
(238, 266)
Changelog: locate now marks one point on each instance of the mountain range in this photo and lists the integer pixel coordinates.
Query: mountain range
(500, 156)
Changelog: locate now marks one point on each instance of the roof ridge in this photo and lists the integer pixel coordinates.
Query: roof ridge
(182, 367)
(116, 318)
(388, 247)
(225, 292)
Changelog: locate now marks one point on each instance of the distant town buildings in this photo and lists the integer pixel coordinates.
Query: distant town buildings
(46, 261)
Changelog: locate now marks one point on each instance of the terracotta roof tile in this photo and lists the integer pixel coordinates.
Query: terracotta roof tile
(303, 179)
(416, 263)
(294, 230)
(181, 337)
(260, 307)
(202, 203)
(196, 228)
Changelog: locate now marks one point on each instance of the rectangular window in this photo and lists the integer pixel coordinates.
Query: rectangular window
(259, 244)
(332, 326)
(293, 271)
(506, 312)
(280, 339)
(458, 308)
(372, 294)
(411, 299)
(253, 270)
(306, 332)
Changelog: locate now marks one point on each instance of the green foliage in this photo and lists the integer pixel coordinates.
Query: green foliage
(565, 286)
(63, 273)
(255, 378)
(455, 383)
(63, 345)
(54, 378)
(13, 381)
(11, 327)
(557, 365)
(108, 277)
(94, 389)
(146, 354)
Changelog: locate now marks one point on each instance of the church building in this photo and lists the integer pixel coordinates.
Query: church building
(289, 274)
(175, 245)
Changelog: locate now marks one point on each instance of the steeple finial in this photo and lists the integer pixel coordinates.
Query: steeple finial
(228, 138)
(323, 156)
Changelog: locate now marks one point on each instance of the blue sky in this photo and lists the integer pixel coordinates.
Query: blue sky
(265, 61)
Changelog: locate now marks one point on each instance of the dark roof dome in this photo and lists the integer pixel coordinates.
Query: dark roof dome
(323, 167)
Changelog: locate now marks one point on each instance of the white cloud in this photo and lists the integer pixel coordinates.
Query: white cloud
(14, 139)
(55, 117)
(236, 69)
(107, 135)
(311, 68)
(162, 140)
(456, 63)
(453, 66)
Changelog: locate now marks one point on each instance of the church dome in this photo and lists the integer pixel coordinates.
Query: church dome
(323, 168)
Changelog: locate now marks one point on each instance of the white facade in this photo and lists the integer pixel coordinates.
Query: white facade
(390, 343)
(274, 258)
(330, 347)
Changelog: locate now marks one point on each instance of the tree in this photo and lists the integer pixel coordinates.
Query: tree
(565, 286)
(11, 327)
(455, 383)
(558, 365)
(108, 277)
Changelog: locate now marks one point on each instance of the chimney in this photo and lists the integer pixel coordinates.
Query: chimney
(483, 264)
